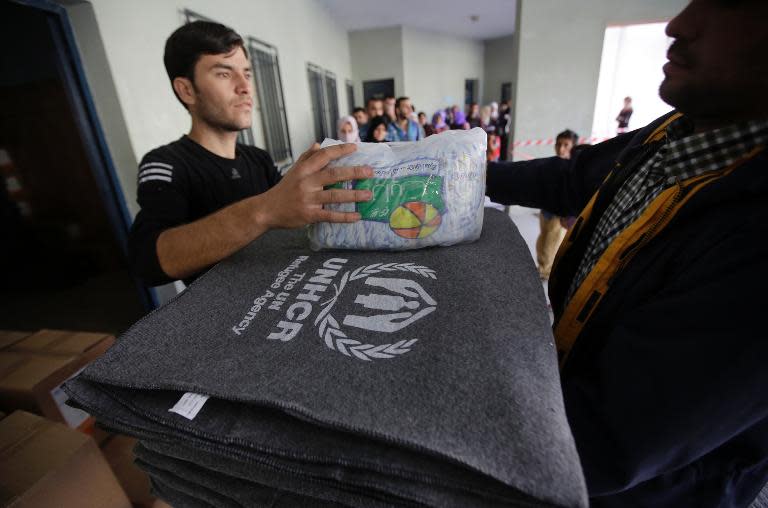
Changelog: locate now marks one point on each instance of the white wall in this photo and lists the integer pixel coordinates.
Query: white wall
(559, 61)
(134, 33)
(428, 67)
(500, 54)
(104, 93)
(435, 67)
(376, 54)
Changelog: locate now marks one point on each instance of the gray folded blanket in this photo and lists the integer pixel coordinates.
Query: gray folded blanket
(424, 377)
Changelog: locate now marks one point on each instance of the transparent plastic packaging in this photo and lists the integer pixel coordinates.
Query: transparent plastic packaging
(425, 193)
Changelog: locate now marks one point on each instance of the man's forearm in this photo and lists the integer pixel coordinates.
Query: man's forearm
(185, 250)
(535, 183)
(297, 200)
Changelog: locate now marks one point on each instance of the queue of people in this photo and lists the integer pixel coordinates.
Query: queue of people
(402, 123)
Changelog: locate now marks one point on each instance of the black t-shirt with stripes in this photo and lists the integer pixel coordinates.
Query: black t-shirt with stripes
(181, 182)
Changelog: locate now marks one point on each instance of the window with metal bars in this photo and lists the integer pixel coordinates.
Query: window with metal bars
(325, 101)
(350, 96)
(271, 102)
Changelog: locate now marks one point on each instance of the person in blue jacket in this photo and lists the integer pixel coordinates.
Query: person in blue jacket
(657, 289)
(404, 128)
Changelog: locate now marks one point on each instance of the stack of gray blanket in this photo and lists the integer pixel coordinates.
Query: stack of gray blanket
(286, 377)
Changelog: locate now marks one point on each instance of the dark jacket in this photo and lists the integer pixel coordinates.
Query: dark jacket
(666, 387)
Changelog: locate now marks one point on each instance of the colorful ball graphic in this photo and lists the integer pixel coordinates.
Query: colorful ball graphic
(415, 219)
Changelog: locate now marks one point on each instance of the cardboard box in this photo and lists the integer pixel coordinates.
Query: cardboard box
(118, 451)
(59, 342)
(32, 381)
(10, 337)
(98, 434)
(45, 464)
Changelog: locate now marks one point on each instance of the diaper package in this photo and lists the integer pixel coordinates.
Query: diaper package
(425, 193)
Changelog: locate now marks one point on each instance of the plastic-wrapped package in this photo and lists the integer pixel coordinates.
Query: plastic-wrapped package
(425, 193)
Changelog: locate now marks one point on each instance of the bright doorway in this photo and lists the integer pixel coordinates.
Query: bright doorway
(633, 56)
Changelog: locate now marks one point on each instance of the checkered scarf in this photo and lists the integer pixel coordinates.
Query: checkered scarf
(683, 155)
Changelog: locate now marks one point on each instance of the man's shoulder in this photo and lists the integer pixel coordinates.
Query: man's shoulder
(171, 154)
(163, 163)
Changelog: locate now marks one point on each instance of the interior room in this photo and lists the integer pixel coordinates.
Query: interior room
(372, 254)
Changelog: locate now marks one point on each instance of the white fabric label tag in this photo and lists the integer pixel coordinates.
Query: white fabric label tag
(74, 417)
(189, 405)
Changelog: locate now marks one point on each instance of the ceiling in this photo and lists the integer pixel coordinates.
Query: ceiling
(495, 18)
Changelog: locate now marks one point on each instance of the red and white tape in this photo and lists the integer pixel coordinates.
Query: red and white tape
(551, 141)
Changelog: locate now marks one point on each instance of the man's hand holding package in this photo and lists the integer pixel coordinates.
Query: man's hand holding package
(299, 197)
(297, 200)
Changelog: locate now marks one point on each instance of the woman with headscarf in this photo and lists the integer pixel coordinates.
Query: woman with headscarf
(347, 130)
(459, 119)
(377, 130)
(485, 120)
(448, 116)
(494, 111)
(438, 124)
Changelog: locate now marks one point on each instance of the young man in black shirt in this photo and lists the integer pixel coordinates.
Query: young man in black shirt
(203, 197)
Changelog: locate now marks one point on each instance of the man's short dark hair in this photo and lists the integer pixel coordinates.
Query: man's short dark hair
(375, 98)
(568, 134)
(188, 43)
(358, 110)
(401, 99)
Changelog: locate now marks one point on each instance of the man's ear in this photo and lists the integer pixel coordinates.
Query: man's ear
(185, 90)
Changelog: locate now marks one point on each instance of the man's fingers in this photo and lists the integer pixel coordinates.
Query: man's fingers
(299, 163)
(331, 216)
(343, 196)
(310, 151)
(336, 151)
(322, 157)
(342, 174)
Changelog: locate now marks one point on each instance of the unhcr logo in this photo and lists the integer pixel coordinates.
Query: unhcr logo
(399, 312)
(386, 305)
(389, 298)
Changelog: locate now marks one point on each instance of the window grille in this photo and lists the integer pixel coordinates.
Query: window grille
(271, 101)
(325, 102)
(350, 96)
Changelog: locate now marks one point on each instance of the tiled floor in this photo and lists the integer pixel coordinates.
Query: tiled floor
(527, 221)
